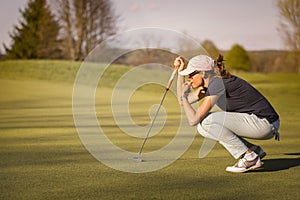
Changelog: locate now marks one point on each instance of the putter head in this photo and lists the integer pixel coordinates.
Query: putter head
(137, 159)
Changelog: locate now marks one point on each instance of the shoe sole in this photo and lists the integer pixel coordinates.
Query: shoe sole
(242, 170)
(256, 166)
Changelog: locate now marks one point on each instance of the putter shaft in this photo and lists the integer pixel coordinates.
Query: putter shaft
(160, 104)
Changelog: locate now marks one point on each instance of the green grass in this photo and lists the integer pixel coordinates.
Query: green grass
(42, 156)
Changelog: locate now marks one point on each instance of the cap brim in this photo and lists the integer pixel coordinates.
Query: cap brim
(187, 71)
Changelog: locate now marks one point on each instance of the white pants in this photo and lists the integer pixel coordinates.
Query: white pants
(228, 127)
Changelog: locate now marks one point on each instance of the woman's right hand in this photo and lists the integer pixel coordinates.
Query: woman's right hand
(179, 63)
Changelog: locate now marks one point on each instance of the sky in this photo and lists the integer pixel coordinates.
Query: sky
(250, 23)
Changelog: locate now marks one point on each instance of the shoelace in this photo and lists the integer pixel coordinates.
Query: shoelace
(242, 163)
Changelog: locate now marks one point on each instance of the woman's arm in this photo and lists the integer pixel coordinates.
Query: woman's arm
(180, 65)
(195, 117)
(180, 81)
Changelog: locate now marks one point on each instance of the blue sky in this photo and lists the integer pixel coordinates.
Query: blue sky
(250, 23)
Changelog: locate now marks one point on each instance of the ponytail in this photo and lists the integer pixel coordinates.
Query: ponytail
(221, 67)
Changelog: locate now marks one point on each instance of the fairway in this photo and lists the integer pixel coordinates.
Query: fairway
(42, 156)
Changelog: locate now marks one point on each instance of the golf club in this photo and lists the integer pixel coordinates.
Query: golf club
(138, 158)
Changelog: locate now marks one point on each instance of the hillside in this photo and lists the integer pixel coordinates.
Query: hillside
(265, 61)
(272, 61)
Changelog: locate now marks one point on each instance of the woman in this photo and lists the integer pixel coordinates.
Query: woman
(246, 112)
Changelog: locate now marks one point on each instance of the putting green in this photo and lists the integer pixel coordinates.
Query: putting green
(42, 156)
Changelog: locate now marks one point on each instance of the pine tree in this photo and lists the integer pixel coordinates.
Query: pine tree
(36, 36)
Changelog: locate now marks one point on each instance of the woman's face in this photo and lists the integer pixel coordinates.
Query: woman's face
(195, 79)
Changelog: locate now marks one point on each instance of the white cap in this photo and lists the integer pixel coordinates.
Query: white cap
(198, 63)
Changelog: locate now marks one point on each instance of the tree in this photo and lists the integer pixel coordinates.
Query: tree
(36, 36)
(85, 24)
(290, 27)
(1, 55)
(237, 58)
(211, 48)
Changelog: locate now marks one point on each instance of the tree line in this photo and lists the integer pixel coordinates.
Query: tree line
(70, 29)
(61, 29)
(236, 58)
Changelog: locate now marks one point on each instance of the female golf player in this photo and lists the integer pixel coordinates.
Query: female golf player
(245, 112)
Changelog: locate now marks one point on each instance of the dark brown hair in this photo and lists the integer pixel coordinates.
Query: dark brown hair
(221, 66)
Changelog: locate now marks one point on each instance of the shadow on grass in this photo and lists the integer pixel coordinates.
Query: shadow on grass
(292, 154)
(271, 165)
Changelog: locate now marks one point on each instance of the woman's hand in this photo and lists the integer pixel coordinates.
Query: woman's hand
(179, 63)
(186, 89)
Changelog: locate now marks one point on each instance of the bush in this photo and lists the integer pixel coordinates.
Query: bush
(237, 58)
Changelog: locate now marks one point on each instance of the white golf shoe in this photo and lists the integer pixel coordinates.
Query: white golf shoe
(246, 164)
